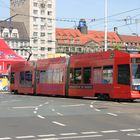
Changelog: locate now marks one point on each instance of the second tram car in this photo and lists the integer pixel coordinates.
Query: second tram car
(106, 75)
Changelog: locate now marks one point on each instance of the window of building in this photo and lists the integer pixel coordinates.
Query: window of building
(35, 12)
(42, 34)
(5, 34)
(14, 35)
(73, 49)
(34, 19)
(49, 13)
(42, 41)
(49, 21)
(49, 49)
(42, 27)
(35, 4)
(42, 19)
(42, 55)
(79, 50)
(42, 12)
(35, 33)
(49, 5)
(35, 26)
(35, 41)
(42, 48)
(49, 27)
(35, 55)
(49, 36)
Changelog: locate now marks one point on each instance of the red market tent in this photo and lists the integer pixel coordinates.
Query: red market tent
(7, 57)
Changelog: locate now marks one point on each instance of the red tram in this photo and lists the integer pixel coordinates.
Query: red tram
(111, 74)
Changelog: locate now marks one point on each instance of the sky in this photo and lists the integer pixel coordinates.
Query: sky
(123, 14)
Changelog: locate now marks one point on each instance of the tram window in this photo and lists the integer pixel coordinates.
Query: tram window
(77, 75)
(135, 60)
(28, 78)
(21, 77)
(71, 76)
(12, 77)
(61, 75)
(50, 75)
(57, 76)
(97, 75)
(42, 76)
(124, 74)
(107, 75)
(86, 75)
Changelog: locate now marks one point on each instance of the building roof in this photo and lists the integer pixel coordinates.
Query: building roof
(97, 36)
(128, 38)
(23, 35)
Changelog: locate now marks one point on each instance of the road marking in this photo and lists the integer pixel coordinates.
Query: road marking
(109, 131)
(36, 108)
(24, 107)
(61, 124)
(46, 103)
(59, 114)
(67, 134)
(39, 116)
(112, 114)
(112, 139)
(76, 105)
(134, 134)
(10, 101)
(35, 112)
(53, 109)
(91, 106)
(97, 109)
(40, 105)
(24, 137)
(128, 130)
(48, 135)
(73, 137)
(5, 138)
(90, 132)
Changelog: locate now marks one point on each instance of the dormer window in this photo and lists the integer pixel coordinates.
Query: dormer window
(5, 34)
(15, 35)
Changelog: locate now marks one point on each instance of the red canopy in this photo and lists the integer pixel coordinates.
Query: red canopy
(7, 56)
(6, 53)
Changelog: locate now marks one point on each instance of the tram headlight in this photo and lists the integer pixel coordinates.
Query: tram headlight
(134, 87)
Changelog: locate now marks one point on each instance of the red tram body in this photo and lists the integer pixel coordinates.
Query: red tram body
(111, 74)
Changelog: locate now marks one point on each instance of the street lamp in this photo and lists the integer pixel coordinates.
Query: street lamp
(105, 25)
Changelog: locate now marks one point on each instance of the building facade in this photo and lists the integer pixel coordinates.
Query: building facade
(15, 34)
(72, 41)
(39, 19)
(131, 43)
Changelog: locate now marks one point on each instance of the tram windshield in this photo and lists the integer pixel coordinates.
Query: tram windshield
(135, 74)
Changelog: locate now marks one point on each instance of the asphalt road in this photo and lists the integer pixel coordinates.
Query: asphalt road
(25, 117)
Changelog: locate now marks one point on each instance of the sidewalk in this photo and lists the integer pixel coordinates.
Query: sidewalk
(4, 92)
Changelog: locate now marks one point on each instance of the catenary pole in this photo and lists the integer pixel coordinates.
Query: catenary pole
(105, 25)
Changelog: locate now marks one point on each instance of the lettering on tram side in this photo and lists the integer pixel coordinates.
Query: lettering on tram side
(81, 86)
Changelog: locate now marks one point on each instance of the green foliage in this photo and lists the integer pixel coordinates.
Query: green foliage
(117, 47)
